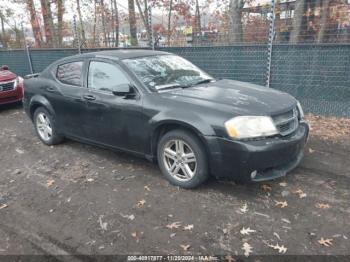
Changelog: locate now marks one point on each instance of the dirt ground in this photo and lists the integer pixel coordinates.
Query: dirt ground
(79, 199)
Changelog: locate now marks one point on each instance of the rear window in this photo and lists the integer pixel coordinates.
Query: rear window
(70, 73)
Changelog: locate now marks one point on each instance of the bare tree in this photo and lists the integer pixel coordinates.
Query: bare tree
(102, 10)
(145, 17)
(324, 20)
(35, 23)
(169, 21)
(132, 22)
(236, 8)
(3, 31)
(116, 20)
(48, 23)
(81, 23)
(60, 11)
(297, 21)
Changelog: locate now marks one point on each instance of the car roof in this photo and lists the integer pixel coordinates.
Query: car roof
(118, 54)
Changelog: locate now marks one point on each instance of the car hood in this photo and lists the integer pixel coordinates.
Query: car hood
(237, 97)
(6, 75)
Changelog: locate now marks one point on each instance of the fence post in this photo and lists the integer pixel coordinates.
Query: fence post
(76, 35)
(270, 42)
(151, 40)
(29, 58)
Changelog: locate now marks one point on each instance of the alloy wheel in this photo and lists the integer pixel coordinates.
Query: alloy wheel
(179, 160)
(43, 126)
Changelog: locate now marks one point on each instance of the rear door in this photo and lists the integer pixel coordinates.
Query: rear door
(66, 97)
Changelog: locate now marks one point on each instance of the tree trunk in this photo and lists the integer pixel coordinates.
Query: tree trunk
(3, 31)
(144, 16)
(48, 23)
(324, 20)
(103, 22)
(169, 21)
(35, 23)
(116, 23)
(132, 22)
(94, 27)
(197, 32)
(236, 7)
(297, 21)
(82, 30)
(60, 11)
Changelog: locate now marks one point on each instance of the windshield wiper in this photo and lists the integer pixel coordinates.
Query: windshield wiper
(203, 81)
(168, 86)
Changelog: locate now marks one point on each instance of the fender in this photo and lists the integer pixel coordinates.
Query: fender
(188, 120)
(40, 100)
(178, 116)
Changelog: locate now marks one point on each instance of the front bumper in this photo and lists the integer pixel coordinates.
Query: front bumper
(270, 158)
(12, 96)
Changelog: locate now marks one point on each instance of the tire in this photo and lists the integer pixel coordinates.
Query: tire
(188, 171)
(48, 138)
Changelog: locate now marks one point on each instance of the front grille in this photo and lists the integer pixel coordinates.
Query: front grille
(7, 86)
(287, 122)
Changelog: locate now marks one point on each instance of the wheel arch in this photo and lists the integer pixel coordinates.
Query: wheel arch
(167, 125)
(39, 101)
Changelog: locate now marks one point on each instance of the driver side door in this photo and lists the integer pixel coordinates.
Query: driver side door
(112, 118)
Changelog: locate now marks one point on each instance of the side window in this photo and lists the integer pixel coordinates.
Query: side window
(105, 77)
(70, 73)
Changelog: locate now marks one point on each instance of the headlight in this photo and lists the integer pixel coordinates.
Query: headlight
(250, 126)
(18, 82)
(300, 109)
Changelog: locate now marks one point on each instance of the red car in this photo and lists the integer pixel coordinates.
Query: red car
(11, 86)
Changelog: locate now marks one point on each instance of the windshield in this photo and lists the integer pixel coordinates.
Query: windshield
(166, 71)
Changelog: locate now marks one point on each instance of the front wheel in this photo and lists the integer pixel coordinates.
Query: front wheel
(182, 159)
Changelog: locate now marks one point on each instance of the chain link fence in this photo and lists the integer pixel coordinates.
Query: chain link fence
(297, 46)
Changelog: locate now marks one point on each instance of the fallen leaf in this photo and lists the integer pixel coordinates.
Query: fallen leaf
(141, 203)
(19, 151)
(188, 227)
(326, 242)
(281, 204)
(230, 259)
(300, 192)
(103, 225)
(3, 206)
(244, 208)
(50, 182)
(130, 217)
(266, 188)
(281, 249)
(322, 206)
(174, 225)
(147, 188)
(185, 247)
(247, 249)
(247, 231)
(135, 235)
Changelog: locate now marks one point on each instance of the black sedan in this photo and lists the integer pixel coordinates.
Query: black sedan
(160, 106)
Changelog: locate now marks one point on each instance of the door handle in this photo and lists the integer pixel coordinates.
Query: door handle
(89, 97)
(50, 89)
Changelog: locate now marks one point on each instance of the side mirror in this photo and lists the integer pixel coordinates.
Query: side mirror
(4, 67)
(123, 90)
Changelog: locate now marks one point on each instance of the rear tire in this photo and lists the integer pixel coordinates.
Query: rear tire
(182, 159)
(45, 127)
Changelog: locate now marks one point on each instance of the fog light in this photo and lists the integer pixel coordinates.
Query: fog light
(253, 174)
